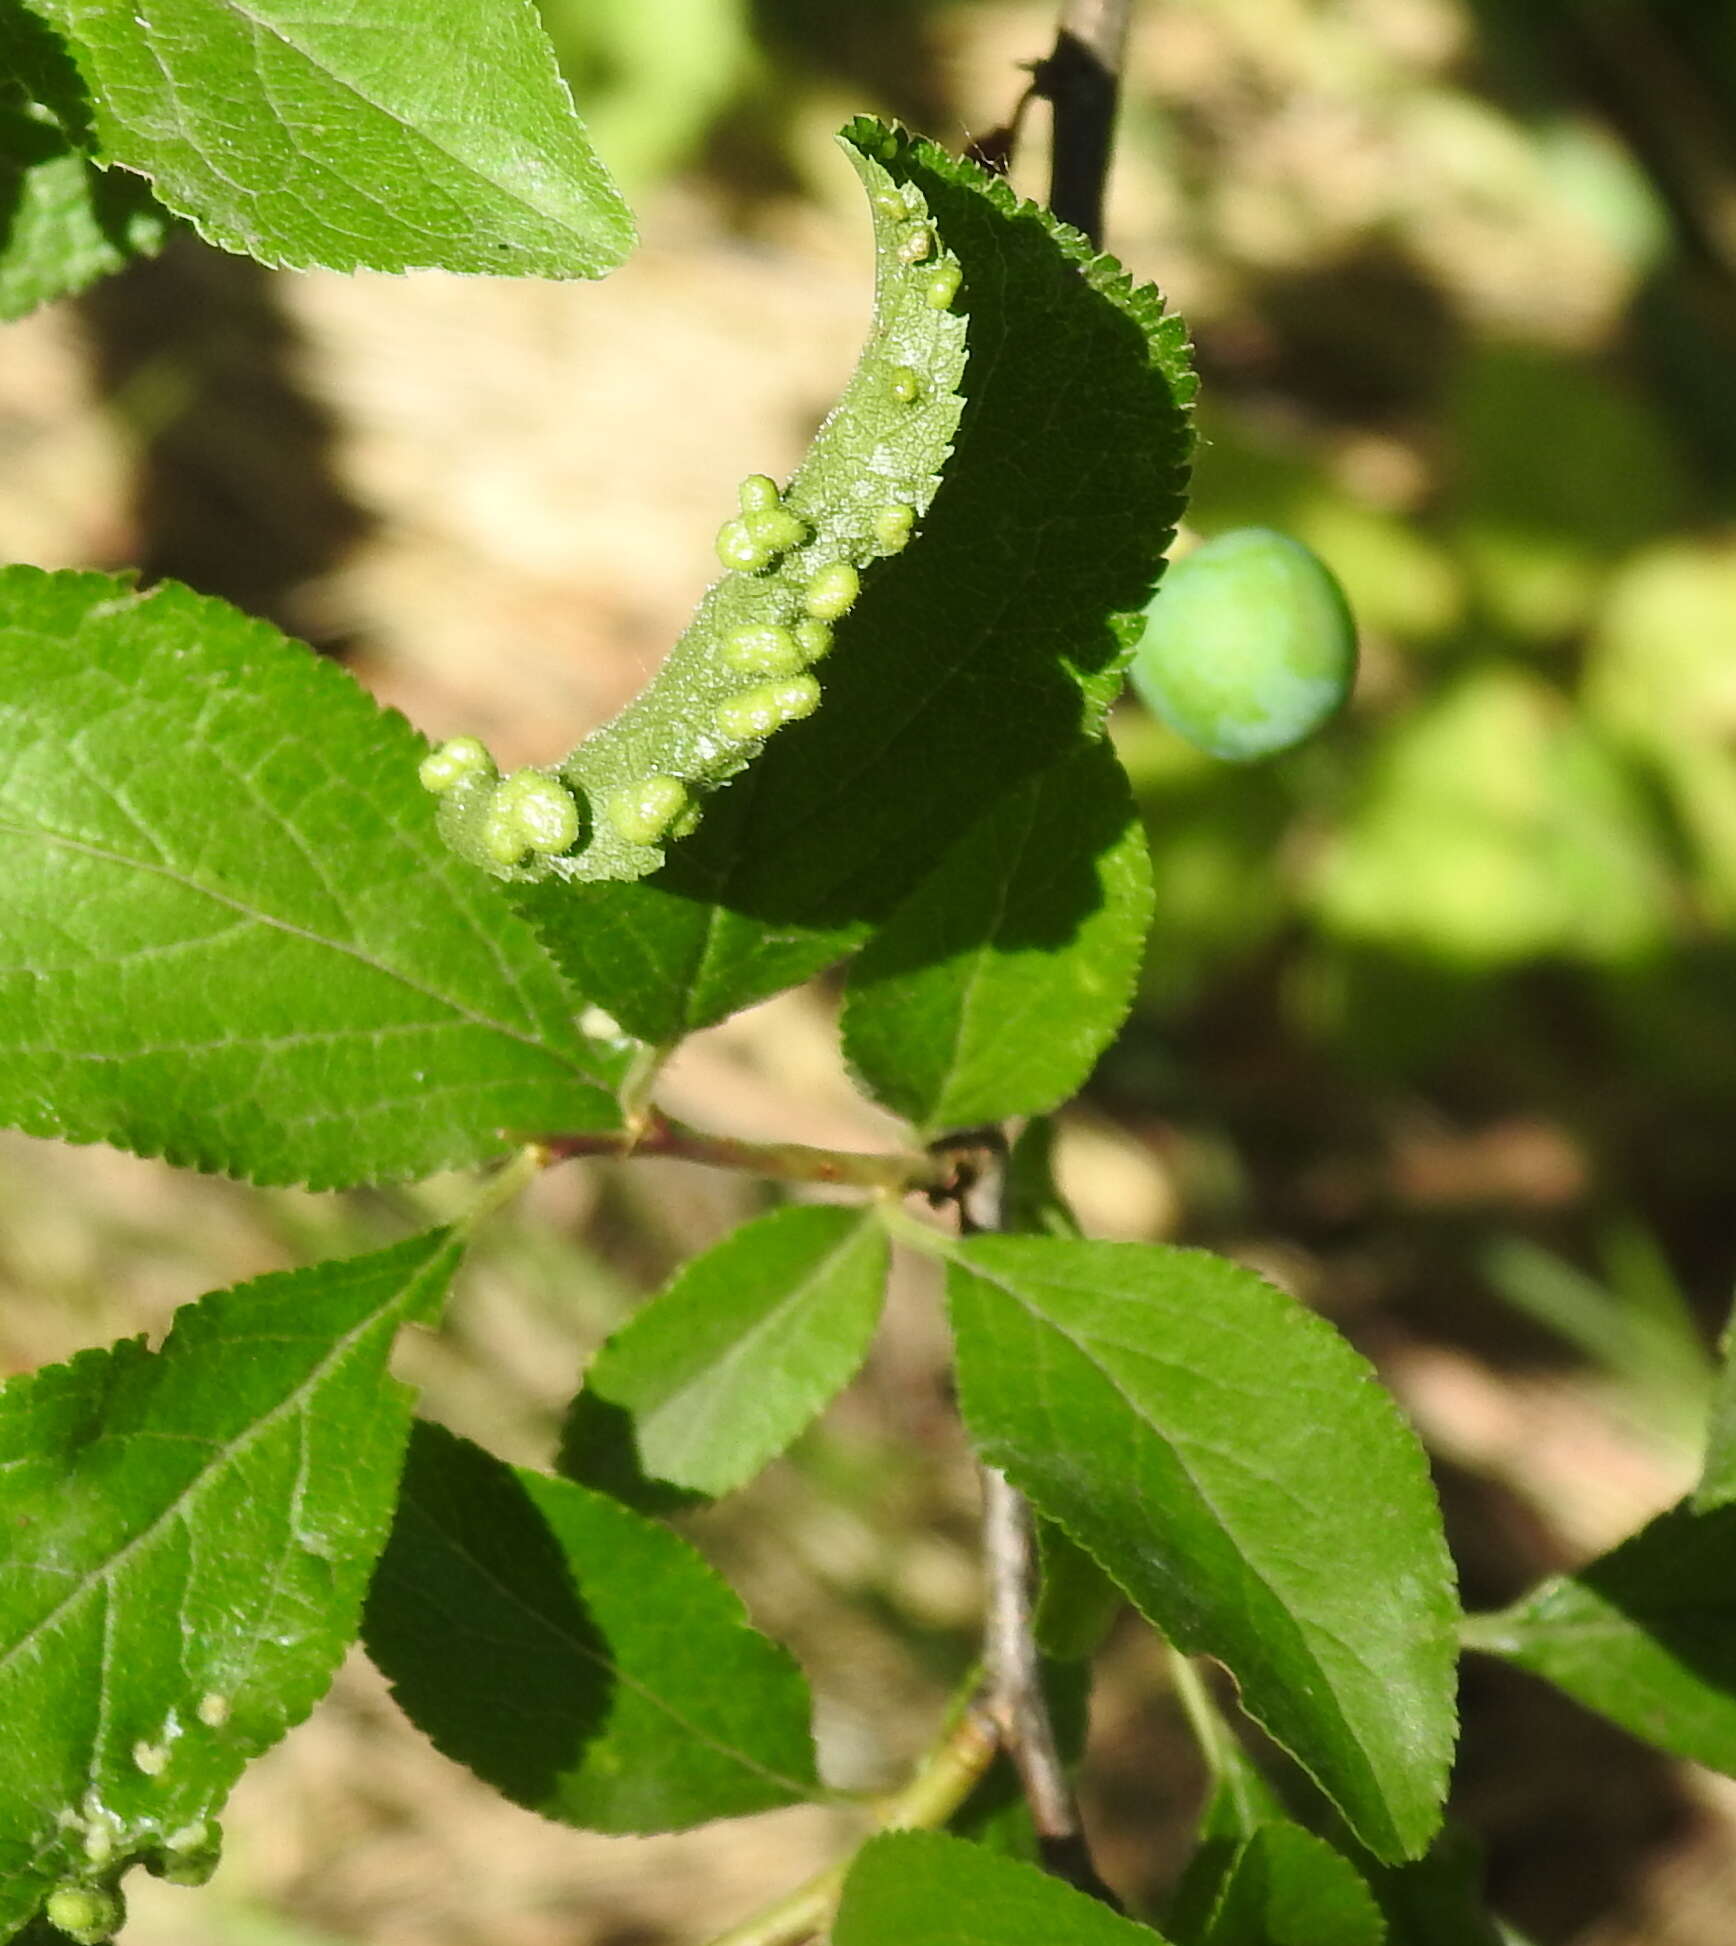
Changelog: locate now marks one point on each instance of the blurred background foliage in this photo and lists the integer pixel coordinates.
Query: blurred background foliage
(1438, 1025)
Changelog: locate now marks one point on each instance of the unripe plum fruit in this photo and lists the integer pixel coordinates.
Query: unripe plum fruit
(1249, 645)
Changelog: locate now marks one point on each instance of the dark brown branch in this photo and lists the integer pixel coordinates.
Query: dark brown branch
(1081, 81)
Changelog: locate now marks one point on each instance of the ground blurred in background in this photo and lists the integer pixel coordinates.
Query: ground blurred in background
(1437, 1026)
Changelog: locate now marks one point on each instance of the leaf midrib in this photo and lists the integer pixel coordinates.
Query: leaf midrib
(353, 88)
(1042, 1319)
(225, 1454)
(120, 861)
(524, 1606)
(793, 1300)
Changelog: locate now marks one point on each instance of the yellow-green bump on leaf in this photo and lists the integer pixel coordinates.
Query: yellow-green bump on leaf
(796, 559)
(975, 658)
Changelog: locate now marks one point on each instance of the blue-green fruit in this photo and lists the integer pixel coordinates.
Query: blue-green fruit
(1249, 645)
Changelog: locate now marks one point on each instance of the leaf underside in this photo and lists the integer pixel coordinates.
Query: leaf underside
(876, 451)
(972, 662)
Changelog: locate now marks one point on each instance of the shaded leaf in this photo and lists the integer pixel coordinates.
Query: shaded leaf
(1289, 1888)
(971, 664)
(331, 136)
(1437, 1900)
(1646, 1635)
(879, 452)
(1236, 1467)
(1241, 1801)
(64, 222)
(185, 1538)
(579, 1657)
(994, 987)
(1031, 1199)
(1077, 1603)
(228, 933)
(719, 1373)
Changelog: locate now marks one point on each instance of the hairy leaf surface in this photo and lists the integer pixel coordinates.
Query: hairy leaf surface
(972, 662)
(228, 935)
(328, 134)
(921, 1888)
(994, 987)
(1646, 1635)
(1238, 1469)
(185, 1539)
(717, 1374)
(582, 1659)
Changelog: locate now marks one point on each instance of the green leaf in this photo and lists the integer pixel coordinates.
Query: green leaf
(1289, 1888)
(921, 1888)
(1646, 1635)
(719, 1373)
(1077, 1603)
(579, 1657)
(972, 663)
(230, 935)
(333, 136)
(187, 1536)
(1241, 1801)
(1237, 1469)
(996, 985)
(1438, 1899)
(1031, 1199)
(64, 222)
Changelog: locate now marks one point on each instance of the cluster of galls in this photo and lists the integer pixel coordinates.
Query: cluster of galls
(531, 816)
(529, 812)
(91, 1911)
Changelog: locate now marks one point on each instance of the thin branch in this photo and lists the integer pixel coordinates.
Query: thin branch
(514, 1175)
(1011, 1661)
(661, 1135)
(1081, 80)
(1014, 1669)
(945, 1777)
